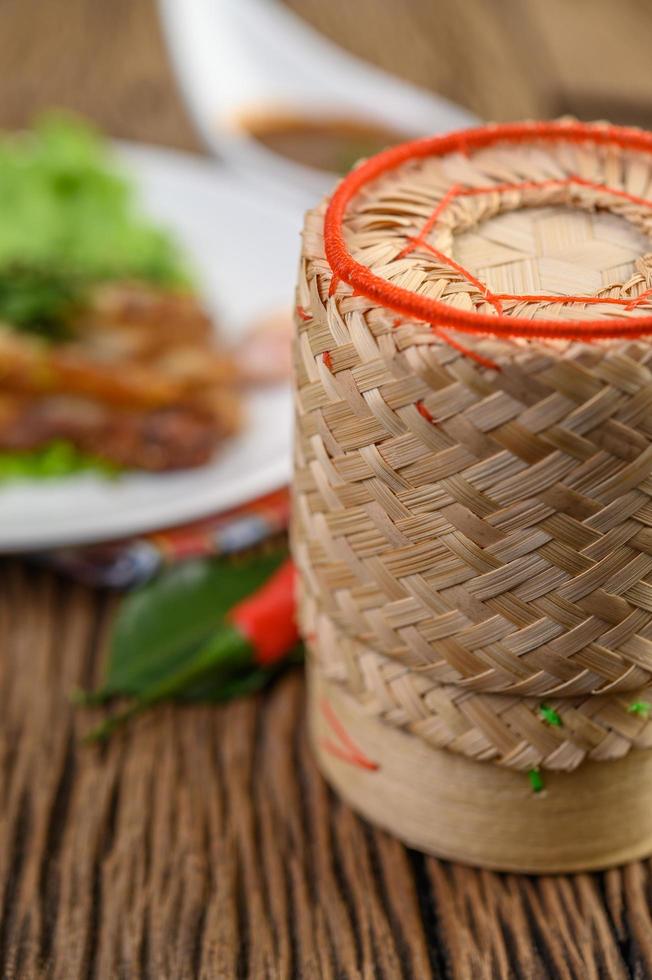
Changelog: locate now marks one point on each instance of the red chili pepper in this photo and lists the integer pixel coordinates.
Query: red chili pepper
(267, 618)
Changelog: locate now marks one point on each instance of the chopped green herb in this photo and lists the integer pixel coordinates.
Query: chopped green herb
(58, 459)
(41, 301)
(641, 708)
(550, 715)
(536, 780)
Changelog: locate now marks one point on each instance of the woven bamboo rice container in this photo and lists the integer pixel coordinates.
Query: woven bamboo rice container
(473, 472)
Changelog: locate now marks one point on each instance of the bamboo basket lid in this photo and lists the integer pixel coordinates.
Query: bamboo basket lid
(392, 231)
(472, 521)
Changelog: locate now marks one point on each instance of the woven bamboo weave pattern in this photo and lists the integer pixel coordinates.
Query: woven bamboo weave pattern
(490, 728)
(473, 523)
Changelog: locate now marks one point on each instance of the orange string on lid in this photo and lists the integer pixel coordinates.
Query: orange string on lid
(439, 314)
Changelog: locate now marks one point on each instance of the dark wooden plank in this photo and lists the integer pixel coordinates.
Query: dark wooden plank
(598, 55)
(475, 53)
(105, 60)
(507, 59)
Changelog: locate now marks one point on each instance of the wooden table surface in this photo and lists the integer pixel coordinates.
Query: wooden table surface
(203, 842)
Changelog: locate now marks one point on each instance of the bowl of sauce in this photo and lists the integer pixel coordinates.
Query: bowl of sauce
(327, 143)
(280, 102)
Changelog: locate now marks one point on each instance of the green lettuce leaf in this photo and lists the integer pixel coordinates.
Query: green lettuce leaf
(66, 206)
(59, 458)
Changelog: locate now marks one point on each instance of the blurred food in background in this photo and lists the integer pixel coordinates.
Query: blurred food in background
(130, 364)
(265, 354)
(106, 354)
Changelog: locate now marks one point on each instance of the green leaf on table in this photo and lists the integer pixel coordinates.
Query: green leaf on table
(247, 681)
(161, 625)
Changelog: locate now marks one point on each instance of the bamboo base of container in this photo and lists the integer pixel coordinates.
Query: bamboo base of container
(478, 813)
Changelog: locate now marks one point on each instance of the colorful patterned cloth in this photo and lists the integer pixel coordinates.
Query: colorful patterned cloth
(128, 563)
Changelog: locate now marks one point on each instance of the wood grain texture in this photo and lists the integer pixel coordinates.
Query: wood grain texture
(507, 59)
(106, 60)
(203, 843)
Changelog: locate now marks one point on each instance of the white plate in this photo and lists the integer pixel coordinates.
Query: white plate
(245, 251)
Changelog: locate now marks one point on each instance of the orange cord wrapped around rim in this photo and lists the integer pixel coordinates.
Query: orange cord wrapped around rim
(436, 312)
